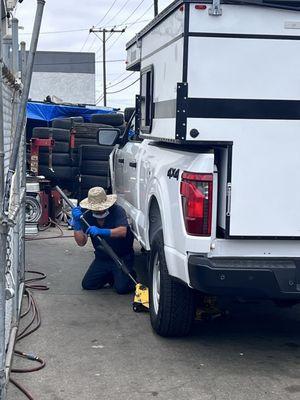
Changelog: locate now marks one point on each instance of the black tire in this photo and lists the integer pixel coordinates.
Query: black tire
(94, 167)
(57, 159)
(108, 119)
(88, 181)
(75, 160)
(175, 312)
(128, 113)
(66, 123)
(97, 152)
(61, 172)
(82, 141)
(91, 135)
(59, 147)
(88, 130)
(61, 135)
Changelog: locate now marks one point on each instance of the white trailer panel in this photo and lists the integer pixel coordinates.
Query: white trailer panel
(244, 68)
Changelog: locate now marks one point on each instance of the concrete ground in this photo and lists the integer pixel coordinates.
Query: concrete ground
(96, 347)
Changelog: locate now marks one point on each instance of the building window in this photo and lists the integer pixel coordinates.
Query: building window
(146, 99)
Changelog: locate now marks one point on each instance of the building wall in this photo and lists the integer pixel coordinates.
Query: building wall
(68, 76)
(69, 87)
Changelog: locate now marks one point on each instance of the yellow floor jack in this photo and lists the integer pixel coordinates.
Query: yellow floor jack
(141, 298)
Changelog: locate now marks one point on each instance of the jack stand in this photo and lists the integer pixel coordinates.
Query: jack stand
(207, 309)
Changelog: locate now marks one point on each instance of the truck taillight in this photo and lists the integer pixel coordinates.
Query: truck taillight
(197, 191)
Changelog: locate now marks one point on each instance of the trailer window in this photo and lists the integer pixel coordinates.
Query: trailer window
(146, 100)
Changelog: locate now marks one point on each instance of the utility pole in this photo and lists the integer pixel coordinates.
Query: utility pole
(155, 8)
(104, 39)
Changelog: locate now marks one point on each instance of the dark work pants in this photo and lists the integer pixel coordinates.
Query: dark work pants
(101, 272)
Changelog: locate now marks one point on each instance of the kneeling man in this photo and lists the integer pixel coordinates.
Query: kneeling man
(108, 220)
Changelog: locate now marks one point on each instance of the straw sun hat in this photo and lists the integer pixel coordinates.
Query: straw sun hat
(98, 200)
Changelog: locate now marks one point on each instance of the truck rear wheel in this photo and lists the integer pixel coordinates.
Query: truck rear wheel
(171, 302)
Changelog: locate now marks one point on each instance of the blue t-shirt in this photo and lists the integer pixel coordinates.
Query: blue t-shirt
(121, 246)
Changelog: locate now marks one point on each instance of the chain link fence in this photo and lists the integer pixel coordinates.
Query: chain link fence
(13, 228)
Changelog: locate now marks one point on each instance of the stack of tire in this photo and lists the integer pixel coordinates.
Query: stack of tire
(114, 120)
(93, 168)
(66, 123)
(85, 134)
(61, 160)
(93, 159)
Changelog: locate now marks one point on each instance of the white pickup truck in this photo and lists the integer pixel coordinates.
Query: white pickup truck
(210, 179)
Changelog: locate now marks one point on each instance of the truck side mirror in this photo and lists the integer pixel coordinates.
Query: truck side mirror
(108, 136)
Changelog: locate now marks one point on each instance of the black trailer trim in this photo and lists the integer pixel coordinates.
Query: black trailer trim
(243, 109)
(229, 108)
(243, 36)
(181, 111)
(186, 42)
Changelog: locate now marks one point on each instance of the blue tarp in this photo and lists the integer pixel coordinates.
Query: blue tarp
(47, 112)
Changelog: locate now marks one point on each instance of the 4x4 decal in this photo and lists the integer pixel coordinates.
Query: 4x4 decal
(173, 173)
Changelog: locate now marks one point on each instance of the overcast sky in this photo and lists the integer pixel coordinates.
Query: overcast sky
(66, 15)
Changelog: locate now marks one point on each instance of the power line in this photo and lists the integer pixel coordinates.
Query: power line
(135, 22)
(92, 44)
(107, 12)
(120, 76)
(80, 62)
(117, 91)
(54, 32)
(138, 6)
(126, 87)
(82, 29)
(85, 42)
(130, 23)
(99, 99)
(121, 9)
(117, 83)
(113, 43)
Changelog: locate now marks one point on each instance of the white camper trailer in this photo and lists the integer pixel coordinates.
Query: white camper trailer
(211, 178)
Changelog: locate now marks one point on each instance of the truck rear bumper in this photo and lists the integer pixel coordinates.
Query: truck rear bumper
(256, 278)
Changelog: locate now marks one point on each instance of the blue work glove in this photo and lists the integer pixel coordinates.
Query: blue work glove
(75, 221)
(76, 213)
(95, 231)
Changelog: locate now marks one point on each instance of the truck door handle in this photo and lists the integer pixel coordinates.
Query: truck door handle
(132, 164)
(121, 160)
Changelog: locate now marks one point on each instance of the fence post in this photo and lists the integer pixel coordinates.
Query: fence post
(17, 179)
(23, 173)
(3, 231)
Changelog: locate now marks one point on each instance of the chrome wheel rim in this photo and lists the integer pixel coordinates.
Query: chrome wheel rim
(156, 283)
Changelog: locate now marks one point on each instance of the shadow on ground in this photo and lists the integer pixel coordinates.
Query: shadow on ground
(96, 347)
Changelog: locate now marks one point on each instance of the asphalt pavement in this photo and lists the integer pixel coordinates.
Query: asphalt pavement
(96, 347)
